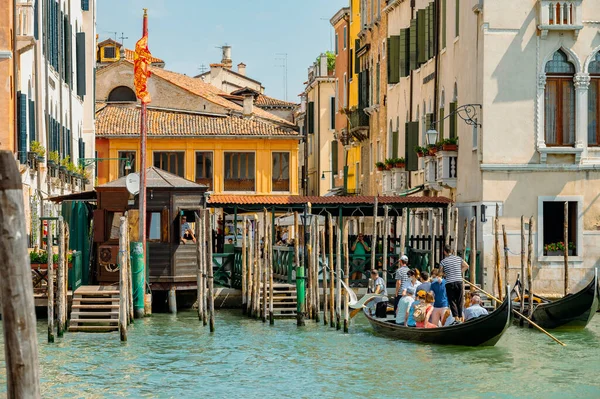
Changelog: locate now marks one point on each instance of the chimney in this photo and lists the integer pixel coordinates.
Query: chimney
(122, 52)
(323, 65)
(242, 68)
(226, 61)
(248, 105)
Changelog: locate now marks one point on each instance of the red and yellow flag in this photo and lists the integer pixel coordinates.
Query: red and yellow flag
(141, 62)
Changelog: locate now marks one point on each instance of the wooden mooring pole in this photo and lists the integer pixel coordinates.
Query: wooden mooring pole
(331, 275)
(465, 237)
(373, 237)
(338, 277)
(60, 280)
(129, 275)
(385, 239)
(244, 266)
(317, 295)
(123, 302)
(566, 251)
(256, 272)
(250, 293)
(323, 253)
(529, 271)
(497, 275)
(506, 264)
(270, 268)
(473, 260)
(347, 275)
(265, 265)
(300, 293)
(522, 278)
(50, 286)
(199, 244)
(209, 253)
(455, 232)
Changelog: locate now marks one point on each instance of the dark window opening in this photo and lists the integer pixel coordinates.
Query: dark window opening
(239, 171)
(109, 52)
(554, 227)
(122, 94)
(281, 171)
(172, 162)
(204, 169)
(126, 163)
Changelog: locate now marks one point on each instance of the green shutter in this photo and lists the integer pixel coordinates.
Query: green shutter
(411, 140)
(393, 59)
(31, 120)
(428, 120)
(452, 120)
(395, 144)
(444, 24)
(431, 32)
(22, 127)
(311, 117)
(334, 157)
(412, 40)
(457, 18)
(378, 84)
(81, 87)
(403, 52)
(421, 37)
(356, 60)
(426, 34)
(441, 123)
(332, 113)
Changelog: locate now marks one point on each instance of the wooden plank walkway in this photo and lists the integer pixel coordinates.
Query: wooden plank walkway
(95, 308)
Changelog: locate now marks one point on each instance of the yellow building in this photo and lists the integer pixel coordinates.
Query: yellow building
(110, 51)
(194, 131)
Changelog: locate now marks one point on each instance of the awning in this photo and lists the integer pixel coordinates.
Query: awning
(89, 196)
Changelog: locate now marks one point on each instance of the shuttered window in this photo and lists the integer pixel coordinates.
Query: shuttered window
(428, 121)
(431, 30)
(457, 18)
(421, 37)
(35, 19)
(427, 50)
(356, 60)
(332, 113)
(22, 127)
(334, 158)
(393, 45)
(444, 24)
(452, 120)
(311, 117)
(351, 60)
(411, 140)
(85, 5)
(403, 50)
(395, 144)
(441, 123)
(377, 84)
(32, 134)
(413, 45)
(81, 87)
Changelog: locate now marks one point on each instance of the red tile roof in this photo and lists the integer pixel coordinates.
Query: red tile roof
(129, 55)
(120, 120)
(223, 199)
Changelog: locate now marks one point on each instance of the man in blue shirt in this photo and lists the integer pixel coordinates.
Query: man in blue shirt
(475, 310)
(404, 305)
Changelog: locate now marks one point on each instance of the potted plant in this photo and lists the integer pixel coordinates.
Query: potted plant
(450, 144)
(389, 163)
(39, 150)
(380, 166)
(39, 259)
(432, 149)
(399, 163)
(83, 175)
(72, 172)
(558, 249)
(64, 163)
(421, 151)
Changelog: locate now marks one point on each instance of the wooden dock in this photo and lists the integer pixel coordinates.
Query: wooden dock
(95, 308)
(284, 300)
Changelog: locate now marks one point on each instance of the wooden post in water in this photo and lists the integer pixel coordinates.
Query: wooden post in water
(385, 239)
(566, 252)
(300, 296)
(347, 275)
(50, 286)
(465, 236)
(373, 237)
(331, 275)
(129, 275)
(455, 232)
(506, 264)
(250, 267)
(16, 288)
(497, 274)
(60, 279)
(199, 244)
(338, 277)
(309, 263)
(403, 230)
(265, 266)
(473, 263)
(205, 262)
(244, 259)
(433, 228)
(316, 270)
(209, 266)
(270, 269)
(123, 303)
(325, 274)
(256, 300)
(529, 271)
(522, 293)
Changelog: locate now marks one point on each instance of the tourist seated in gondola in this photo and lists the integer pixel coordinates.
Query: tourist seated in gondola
(438, 287)
(447, 319)
(380, 303)
(423, 319)
(413, 275)
(404, 305)
(475, 309)
(419, 302)
(425, 282)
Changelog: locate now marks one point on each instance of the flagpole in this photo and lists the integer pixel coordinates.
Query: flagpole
(142, 194)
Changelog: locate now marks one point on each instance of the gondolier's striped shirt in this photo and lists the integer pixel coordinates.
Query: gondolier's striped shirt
(402, 275)
(452, 266)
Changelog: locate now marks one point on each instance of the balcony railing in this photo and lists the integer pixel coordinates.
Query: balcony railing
(559, 15)
(358, 118)
(441, 170)
(394, 181)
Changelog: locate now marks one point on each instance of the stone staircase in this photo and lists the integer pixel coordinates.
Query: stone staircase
(95, 309)
(284, 300)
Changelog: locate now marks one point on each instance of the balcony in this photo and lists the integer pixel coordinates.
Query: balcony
(24, 28)
(559, 15)
(359, 124)
(441, 170)
(394, 181)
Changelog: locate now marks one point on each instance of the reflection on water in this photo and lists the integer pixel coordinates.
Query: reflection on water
(175, 357)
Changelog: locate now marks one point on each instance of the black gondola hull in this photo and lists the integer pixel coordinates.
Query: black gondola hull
(483, 331)
(573, 311)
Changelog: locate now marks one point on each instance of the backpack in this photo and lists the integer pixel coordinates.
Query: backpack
(420, 312)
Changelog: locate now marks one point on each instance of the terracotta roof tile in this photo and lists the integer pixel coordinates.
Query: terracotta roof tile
(130, 53)
(117, 120)
(222, 199)
(263, 100)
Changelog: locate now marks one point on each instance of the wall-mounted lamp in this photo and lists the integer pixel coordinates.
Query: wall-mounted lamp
(323, 174)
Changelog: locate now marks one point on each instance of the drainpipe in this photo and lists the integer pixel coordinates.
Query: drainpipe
(436, 51)
(411, 94)
(15, 54)
(60, 84)
(47, 78)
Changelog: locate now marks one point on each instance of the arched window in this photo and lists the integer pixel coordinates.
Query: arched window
(123, 94)
(594, 102)
(559, 101)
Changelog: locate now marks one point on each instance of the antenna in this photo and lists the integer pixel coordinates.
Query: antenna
(115, 33)
(122, 37)
(203, 68)
(284, 58)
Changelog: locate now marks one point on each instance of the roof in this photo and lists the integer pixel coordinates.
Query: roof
(262, 100)
(123, 120)
(88, 196)
(110, 41)
(158, 178)
(229, 70)
(222, 199)
(129, 55)
(345, 11)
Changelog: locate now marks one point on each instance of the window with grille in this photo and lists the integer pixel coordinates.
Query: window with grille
(204, 169)
(240, 171)
(559, 101)
(109, 52)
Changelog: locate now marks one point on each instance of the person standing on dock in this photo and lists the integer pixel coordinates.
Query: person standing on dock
(359, 252)
(454, 268)
(402, 280)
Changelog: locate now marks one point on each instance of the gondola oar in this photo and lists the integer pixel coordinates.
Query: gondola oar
(517, 313)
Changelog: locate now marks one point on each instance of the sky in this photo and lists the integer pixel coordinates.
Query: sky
(187, 34)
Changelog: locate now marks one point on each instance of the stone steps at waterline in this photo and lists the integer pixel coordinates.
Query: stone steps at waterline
(95, 309)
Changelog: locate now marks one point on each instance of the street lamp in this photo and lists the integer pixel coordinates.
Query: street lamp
(431, 136)
(323, 174)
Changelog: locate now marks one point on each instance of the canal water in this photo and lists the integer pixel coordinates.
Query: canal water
(174, 357)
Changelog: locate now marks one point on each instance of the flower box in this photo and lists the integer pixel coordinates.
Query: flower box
(380, 168)
(558, 253)
(449, 147)
(400, 165)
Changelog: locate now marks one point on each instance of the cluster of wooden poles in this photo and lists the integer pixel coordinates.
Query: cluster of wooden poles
(204, 271)
(61, 279)
(126, 314)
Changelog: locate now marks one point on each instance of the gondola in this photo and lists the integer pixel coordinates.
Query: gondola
(573, 311)
(482, 331)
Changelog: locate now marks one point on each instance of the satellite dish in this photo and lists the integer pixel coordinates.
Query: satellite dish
(132, 182)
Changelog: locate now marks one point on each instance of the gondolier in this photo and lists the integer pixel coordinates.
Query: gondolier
(454, 267)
